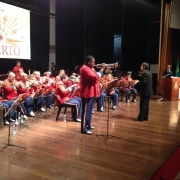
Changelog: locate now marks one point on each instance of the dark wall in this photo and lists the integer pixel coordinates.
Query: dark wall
(39, 27)
(87, 27)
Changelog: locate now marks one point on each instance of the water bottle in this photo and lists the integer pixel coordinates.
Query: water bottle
(22, 119)
(64, 118)
(14, 130)
(19, 117)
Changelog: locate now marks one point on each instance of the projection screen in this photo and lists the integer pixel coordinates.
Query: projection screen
(14, 32)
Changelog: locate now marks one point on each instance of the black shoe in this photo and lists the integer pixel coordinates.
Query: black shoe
(136, 119)
(92, 127)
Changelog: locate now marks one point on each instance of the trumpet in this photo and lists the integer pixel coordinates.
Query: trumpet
(107, 65)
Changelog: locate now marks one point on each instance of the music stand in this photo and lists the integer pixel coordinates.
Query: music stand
(163, 99)
(107, 131)
(22, 98)
(9, 129)
(38, 93)
(113, 84)
(109, 87)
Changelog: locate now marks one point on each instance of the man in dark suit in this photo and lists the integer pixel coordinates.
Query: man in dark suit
(146, 90)
(168, 72)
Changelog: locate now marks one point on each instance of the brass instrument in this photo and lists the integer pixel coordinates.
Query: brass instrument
(107, 65)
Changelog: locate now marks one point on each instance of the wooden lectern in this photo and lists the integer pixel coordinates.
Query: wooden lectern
(171, 88)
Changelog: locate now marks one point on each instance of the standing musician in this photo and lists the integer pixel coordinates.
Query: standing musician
(17, 69)
(63, 95)
(89, 90)
(128, 87)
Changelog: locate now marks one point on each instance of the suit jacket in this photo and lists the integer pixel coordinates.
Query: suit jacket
(145, 84)
(166, 73)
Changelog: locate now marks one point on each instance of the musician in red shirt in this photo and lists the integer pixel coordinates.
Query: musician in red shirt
(10, 91)
(36, 84)
(128, 87)
(24, 87)
(89, 90)
(63, 95)
(17, 69)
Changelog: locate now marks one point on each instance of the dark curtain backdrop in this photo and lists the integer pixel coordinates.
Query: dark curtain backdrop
(88, 26)
(39, 27)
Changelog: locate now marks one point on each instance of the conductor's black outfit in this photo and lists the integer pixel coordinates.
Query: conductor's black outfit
(145, 86)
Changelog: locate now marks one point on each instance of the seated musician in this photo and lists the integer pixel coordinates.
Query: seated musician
(112, 93)
(61, 72)
(6, 104)
(128, 87)
(24, 86)
(48, 88)
(10, 87)
(36, 84)
(63, 95)
(19, 78)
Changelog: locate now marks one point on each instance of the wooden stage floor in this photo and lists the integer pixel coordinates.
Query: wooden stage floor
(58, 151)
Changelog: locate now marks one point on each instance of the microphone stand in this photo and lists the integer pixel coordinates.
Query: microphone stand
(163, 99)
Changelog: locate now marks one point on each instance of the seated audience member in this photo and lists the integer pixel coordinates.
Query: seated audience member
(64, 96)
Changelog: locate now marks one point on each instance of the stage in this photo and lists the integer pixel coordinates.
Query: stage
(58, 151)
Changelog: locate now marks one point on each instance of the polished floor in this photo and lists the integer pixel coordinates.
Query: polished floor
(58, 151)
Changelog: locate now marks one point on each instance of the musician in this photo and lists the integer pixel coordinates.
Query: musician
(61, 72)
(112, 93)
(168, 72)
(48, 88)
(116, 72)
(89, 90)
(6, 104)
(53, 68)
(19, 78)
(24, 86)
(17, 68)
(36, 84)
(128, 86)
(63, 95)
(145, 85)
(10, 92)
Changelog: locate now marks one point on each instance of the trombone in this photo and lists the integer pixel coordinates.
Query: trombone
(107, 65)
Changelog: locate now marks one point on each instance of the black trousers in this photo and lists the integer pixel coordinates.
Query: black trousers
(144, 108)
